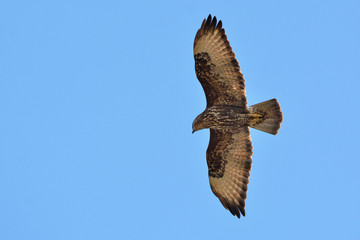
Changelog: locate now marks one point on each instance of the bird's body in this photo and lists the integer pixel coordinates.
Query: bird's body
(224, 117)
(227, 116)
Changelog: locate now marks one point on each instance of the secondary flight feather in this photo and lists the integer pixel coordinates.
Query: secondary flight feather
(227, 116)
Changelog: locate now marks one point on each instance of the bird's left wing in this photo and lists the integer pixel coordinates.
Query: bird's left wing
(216, 66)
(229, 162)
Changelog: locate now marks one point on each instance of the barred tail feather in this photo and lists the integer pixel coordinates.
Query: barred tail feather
(271, 116)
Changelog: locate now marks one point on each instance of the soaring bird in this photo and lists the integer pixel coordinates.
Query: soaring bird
(227, 116)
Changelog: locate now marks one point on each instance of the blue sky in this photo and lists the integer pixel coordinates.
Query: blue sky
(97, 99)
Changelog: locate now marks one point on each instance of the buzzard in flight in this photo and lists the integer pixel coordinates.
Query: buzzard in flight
(227, 115)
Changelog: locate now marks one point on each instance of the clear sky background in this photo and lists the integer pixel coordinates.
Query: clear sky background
(97, 99)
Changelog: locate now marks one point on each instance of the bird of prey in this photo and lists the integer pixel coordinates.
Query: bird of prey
(227, 116)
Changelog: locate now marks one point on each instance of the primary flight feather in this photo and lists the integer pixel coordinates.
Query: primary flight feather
(227, 116)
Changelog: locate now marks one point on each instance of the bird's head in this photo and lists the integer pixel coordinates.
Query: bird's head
(199, 123)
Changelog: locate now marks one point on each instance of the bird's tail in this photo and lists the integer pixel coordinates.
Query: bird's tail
(268, 116)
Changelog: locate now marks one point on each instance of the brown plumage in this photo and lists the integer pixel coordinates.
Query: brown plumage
(227, 115)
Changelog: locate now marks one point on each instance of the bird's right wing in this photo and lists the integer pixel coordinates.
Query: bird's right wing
(229, 162)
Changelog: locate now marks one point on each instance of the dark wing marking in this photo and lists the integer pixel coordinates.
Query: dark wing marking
(216, 66)
(229, 161)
